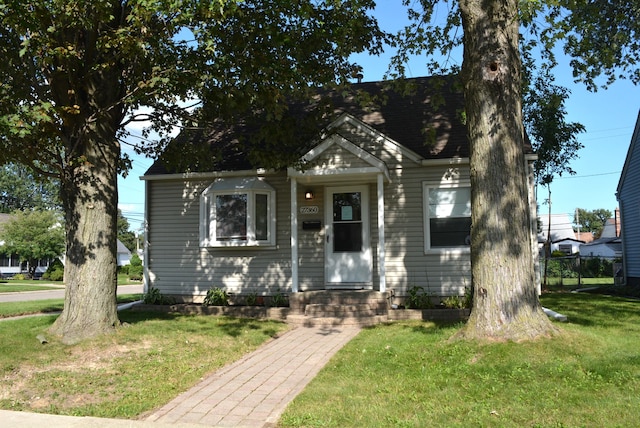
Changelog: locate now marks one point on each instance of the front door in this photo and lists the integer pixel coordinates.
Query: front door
(348, 245)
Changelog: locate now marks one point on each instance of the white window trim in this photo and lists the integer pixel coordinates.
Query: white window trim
(237, 186)
(426, 185)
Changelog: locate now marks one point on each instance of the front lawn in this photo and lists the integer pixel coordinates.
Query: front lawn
(410, 374)
(125, 374)
(12, 309)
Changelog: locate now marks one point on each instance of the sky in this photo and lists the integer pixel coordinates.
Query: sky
(609, 117)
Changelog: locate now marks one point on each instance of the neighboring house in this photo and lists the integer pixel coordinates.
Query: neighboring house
(383, 205)
(612, 226)
(123, 254)
(563, 238)
(628, 194)
(603, 247)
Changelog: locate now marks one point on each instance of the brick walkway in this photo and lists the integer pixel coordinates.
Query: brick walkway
(254, 391)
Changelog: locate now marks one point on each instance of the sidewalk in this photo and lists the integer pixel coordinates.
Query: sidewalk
(250, 393)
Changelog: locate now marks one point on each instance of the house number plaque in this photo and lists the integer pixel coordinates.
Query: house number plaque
(312, 209)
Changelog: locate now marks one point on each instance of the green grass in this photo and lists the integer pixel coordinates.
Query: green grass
(411, 374)
(123, 279)
(125, 374)
(12, 309)
(17, 287)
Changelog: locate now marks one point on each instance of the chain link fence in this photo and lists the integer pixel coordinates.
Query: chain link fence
(578, 271)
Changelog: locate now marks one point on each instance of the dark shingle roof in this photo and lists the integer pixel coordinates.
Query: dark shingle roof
(422, 114)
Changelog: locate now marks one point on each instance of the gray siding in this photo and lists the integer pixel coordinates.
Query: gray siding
(629, 199)
(178, 266)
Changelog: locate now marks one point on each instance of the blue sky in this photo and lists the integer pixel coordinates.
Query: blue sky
(608, 115)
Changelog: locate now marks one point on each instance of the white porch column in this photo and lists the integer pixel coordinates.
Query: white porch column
(294, 235)
(381, 252)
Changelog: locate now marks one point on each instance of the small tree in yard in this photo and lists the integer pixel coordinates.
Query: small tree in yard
(135, 268)
(33, 235)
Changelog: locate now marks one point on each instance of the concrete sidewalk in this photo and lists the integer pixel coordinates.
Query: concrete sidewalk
(250, 393)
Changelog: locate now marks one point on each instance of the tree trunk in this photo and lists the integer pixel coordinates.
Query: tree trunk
(90, 199)
(505, 304)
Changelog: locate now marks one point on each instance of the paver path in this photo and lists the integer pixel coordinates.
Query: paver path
(254, 391)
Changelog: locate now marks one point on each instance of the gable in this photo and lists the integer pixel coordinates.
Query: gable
(630, 176)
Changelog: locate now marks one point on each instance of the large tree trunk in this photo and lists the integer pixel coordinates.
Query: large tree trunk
(506, 305)
(90, 199)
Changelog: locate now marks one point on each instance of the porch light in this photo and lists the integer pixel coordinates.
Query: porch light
(308, 195)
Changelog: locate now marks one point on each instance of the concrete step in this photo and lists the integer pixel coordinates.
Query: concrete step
(320, 310)
(364, 321)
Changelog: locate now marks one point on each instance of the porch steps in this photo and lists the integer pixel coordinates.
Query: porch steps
(338, 308)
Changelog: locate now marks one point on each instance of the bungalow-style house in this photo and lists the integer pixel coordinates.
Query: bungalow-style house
(563, 238)
(628, 194)
(382, 203)
(608, 248)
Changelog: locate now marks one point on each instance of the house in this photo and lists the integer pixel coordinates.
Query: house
(123, 254)
(628, 194)
(382, 203)
(563, 238)
(608, 248)
(612, 226)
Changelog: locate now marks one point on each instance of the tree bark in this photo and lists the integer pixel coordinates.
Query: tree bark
(90, 198)
(505, 301)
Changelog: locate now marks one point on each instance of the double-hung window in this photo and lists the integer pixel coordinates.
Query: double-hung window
(447, 216)
(238, 212)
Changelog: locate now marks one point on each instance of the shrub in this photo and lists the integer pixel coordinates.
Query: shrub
(279, 300)
(124, 269)
(19, 277)
(418, 298)
(135, 268)
(155, 297)
(216, 297)
(55, 271)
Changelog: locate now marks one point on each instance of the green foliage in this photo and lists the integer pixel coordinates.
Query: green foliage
(55, 271)
(19, 277)
(459, 302)
(154, 297)
(22, 188)
(418, 298)
(278, 300)
(125, 236)
(33, 235)
(216, 297)
(252, 299)
(135, 269)
(592, 221)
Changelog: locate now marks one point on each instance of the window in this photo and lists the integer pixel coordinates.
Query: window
(447, 213)
(238, 212)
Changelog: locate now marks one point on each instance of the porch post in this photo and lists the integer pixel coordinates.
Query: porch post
(381, 252)
(294, 235)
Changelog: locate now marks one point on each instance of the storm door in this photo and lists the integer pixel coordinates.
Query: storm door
(348, 243)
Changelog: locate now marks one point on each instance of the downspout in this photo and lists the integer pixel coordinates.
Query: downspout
(145, 242)
(381, 250)
(294, 235)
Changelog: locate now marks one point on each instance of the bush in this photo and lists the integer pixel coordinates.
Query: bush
(135, 268)
(279, 300)
(124, 269)
(155, 297)
(418, 299)
(55, 271)
(216, 297)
